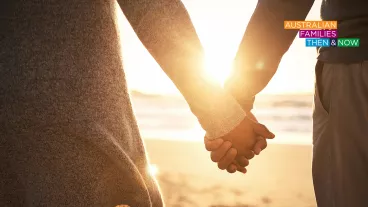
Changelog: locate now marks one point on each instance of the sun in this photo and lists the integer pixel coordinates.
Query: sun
(217, 67)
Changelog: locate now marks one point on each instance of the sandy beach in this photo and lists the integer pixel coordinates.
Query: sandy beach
(278, 177)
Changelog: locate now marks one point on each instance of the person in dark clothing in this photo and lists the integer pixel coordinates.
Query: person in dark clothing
(68, 135)
(340, 117)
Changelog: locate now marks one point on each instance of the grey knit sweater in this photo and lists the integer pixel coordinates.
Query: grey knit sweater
(68, 135)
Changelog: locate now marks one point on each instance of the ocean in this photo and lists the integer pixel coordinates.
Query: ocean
(165, 117)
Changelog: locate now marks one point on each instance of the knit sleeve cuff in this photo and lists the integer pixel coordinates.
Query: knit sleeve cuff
(222, 117)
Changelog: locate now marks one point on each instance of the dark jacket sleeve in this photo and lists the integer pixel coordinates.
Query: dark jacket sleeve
(264, 43)
(165, 29)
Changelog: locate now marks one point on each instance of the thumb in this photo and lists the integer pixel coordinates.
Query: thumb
(261, 130)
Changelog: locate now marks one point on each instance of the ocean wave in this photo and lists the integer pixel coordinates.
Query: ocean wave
(290, 103)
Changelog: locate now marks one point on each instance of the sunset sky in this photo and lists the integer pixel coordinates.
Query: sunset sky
(220, 26)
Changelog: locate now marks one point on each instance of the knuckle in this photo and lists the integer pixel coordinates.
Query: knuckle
(227, 144)
(249, 155)
(232, 153)
(244, 162)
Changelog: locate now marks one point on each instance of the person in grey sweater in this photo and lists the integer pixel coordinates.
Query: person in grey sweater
(340, 116)
(68, 135)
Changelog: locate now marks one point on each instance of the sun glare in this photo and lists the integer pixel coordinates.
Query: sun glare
(217, 68)
(153, 170)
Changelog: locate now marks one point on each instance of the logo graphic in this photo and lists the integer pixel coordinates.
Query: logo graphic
(310, 25)
(321, 34)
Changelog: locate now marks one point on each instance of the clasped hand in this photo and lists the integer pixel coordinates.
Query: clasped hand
(234, 150)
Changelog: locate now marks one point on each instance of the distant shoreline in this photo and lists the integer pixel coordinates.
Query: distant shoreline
(140, 93)
(272, 142)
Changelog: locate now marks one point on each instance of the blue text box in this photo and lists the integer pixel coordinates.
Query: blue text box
(317, 42)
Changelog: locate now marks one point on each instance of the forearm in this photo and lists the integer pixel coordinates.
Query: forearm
(165, 29)
(263, 46)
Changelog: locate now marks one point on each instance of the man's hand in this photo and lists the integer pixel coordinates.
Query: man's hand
(261, 143)
(228, 158)
(244, 136)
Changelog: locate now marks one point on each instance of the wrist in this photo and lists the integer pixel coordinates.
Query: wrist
(240, 91)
